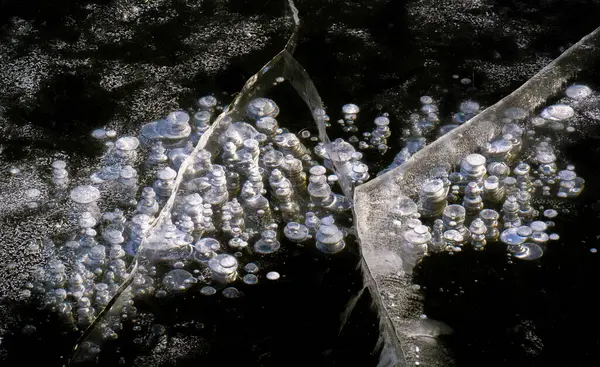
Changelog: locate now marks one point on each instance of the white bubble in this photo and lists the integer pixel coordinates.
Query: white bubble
(558, 112)
(350, 109)
(426, 100)
(273, 275)
(578, 91)
(99, 134)
(593, 250)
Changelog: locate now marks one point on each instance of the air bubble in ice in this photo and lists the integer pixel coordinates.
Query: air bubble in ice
(127, 143)
(223, 268)
(273, 275)
(268, 243)
(208, 291)
(350, 109)
(85, 194)
(207, 103)
(99, 134)
(426, 100)
(261, 107)
(578, 91)
(250, 279)
(296, 232)
(178, 280)
(231, 292)
(405, 207)
(251, 268)
(558, 112)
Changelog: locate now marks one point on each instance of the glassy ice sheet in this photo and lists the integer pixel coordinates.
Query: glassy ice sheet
(490, 188)
(228, 218)
(205, 228)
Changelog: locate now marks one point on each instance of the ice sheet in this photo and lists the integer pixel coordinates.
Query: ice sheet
(397, 301)
(282, 65)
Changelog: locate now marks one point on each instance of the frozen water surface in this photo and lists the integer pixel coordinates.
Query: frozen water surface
(376, 201)
(220, 187)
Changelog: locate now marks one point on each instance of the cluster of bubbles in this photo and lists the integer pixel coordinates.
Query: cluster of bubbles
(490, 197)
(426, 125)
(201, 213)
(376, 139)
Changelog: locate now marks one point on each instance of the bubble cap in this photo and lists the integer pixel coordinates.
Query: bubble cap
(85, 194)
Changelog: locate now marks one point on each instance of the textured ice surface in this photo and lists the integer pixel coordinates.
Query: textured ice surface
(155, 248)
(375, 200)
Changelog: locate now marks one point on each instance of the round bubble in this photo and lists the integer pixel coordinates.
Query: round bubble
(178, 280)
(578, 91)
(207, 102)
(469, 107)
(127, 143)
(231, 292)
(208, 291)
(251, 268)
(99, 134)
(511, 237)
(350, 109)
(250, 279)
(273, 275)
(426, 100)
(558, 112)
(85, 194)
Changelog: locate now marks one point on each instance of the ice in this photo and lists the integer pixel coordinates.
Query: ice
(376, 202)
(193, 208)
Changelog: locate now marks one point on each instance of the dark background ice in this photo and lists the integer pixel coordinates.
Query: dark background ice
(67, 67)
